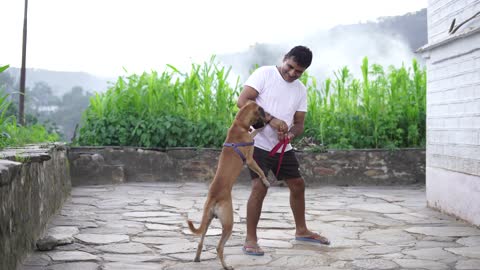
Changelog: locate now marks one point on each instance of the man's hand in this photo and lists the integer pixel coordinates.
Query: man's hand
(283, 135)
(281, 127)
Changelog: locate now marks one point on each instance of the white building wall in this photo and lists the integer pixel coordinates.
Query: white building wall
(453, 109)
(441, 13)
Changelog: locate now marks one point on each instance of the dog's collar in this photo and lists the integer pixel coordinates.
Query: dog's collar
(235, 147)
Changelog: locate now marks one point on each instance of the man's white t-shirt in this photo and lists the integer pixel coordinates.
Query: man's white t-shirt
(279, 98)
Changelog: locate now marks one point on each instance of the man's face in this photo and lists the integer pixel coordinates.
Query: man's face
(290, 70)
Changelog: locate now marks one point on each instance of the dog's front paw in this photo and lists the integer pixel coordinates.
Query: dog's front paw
(265, 182)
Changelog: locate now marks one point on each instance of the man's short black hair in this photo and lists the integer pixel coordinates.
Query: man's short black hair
(301, 55)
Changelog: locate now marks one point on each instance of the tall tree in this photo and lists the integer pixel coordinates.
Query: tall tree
(21, 103)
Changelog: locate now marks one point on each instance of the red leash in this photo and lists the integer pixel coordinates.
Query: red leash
(282, 144)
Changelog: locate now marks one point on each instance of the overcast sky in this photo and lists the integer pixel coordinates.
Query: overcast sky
(103, 36)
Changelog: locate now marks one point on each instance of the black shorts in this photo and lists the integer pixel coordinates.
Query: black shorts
(289, 168)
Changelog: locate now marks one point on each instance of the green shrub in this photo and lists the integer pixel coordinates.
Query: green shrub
(382, 109)
(171, 109)
(12, 134)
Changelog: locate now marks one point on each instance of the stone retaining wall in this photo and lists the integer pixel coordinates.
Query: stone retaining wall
(34, 182)
(106, 165)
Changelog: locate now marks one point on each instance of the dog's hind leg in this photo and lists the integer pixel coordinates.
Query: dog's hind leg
(226, 218)
(200, 244)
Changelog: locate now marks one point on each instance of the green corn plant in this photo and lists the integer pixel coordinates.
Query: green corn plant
(384, 108)
(380, 110)
(170, 109)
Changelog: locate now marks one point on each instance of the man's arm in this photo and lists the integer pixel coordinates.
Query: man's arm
(298, 125)
(248, 93)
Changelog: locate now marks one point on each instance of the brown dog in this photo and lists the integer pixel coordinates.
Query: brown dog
(238, 146)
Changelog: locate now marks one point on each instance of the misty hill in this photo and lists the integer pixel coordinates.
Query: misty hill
(62, 82)
(387, 41)
(411, 28)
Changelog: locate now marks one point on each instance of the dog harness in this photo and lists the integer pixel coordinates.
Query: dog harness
(282, 144)
(235, 147)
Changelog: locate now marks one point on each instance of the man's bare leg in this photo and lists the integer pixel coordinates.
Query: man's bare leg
(297, 203)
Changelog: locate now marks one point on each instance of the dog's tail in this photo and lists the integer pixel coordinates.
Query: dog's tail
(193, 229)
(206, 219)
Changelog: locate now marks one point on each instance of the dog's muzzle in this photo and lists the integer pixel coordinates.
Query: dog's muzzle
(259, 124)
(261, 120)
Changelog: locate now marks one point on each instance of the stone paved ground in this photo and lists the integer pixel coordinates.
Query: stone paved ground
(142, 226)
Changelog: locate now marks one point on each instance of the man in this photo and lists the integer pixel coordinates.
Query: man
(284, 97)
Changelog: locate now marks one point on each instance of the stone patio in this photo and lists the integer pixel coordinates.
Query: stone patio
(142, 226)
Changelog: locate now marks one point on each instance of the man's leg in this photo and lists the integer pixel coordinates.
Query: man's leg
(254, 208)
(297, 203)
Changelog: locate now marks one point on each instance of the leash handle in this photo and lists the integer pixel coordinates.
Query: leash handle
(282, 144)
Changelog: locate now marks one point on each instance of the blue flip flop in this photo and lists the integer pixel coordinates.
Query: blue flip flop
(314, 238)
(253, 250)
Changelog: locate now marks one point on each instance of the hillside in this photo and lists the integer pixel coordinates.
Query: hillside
(411, 27)
(388, 41)
(62, 82)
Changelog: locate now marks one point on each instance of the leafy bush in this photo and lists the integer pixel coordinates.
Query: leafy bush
(11, 134)
(163, 110)
(381, 110)
(175, 109)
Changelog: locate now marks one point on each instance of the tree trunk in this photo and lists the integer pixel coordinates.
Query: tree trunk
(21, 103)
